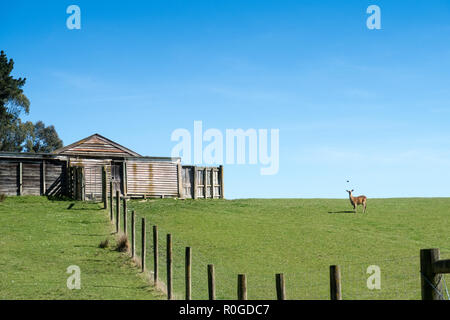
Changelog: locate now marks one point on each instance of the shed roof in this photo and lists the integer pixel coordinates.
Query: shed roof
(96, 145)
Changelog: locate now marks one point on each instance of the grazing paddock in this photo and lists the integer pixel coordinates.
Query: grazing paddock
(41, 238)
(300, 238)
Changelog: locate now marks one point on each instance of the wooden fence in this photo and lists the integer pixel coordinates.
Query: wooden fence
(203, 182)
(32, 176)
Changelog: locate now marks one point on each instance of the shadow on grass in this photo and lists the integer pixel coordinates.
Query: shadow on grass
(333, 212)
(88, 235)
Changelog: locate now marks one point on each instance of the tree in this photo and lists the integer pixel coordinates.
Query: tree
(41, 138)
(12, 99)
(15, 136)
(12, 103)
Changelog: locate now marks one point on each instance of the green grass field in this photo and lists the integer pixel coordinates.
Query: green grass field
(299, 238)
(40, 238)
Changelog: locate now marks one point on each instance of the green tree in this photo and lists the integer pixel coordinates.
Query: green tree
(16, 136)
(12, 103)
(41, 138)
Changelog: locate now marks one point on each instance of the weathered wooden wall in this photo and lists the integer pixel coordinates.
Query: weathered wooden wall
(80, 177)
(203, 182)
(32, 176)
(152, 178)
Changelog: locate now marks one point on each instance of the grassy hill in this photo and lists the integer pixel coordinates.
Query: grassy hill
(299, 238)
(40, 238)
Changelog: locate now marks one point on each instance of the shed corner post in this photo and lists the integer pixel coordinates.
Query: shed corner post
(180, 180)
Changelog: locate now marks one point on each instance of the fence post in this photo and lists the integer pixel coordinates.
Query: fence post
(242, 287)
(83, 184)
(335, 283)
(281, 292)
(155, 255)
(20, 191)
(133, 234)
(44, 184)
(188, 273)
(430, 281)
(117, 211)
(205, 182)
(169, 266)
(194, 194)
(104, 189)
(222, 183)
(111, 201)
(125, 231)
(143, 245)
(211, 283)
(180, 180)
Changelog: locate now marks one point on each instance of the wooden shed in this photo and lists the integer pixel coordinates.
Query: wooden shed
(82, 169)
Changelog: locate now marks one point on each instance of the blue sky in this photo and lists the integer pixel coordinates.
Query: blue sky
(368, 106)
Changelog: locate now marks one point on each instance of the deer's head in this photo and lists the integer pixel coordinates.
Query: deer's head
(350, 192)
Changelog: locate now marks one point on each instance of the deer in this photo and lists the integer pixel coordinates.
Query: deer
(355, 201)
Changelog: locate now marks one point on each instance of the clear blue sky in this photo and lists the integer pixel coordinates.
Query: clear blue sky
(369, 106)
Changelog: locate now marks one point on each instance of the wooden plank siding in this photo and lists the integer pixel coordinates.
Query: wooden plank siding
(96, 145)
(9, 178)
(37, 178)
(152, 178)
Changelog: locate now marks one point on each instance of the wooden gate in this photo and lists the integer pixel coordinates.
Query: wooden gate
(203, 182)
(117, 177)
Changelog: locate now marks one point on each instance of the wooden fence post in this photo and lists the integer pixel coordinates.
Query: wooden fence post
(281, 291)
(188, 273)
(104, 189)
(143, 245)
(169, 267)
(194, 194)
(125, 231)
(133, 234)
(242, 287)
(44, 183)
(155, 255)
(205, 182)
(180, 180)
(430, 281)
(117, 211)
(335, 283)
(213, 185)
(20, 186)
(211, 283)
(83, 184)
(111, 201)
(222, 187)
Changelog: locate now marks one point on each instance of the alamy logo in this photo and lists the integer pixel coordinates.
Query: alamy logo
(74, 280)
(374, 20)
(249, 146)
(374, 280)
(74, 20)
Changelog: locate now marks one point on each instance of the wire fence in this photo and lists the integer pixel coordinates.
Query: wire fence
(399, 276)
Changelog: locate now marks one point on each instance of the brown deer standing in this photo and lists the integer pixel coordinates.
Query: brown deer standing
(355, 201)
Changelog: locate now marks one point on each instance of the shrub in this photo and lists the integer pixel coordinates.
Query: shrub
(122, 244)
(104, 244)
